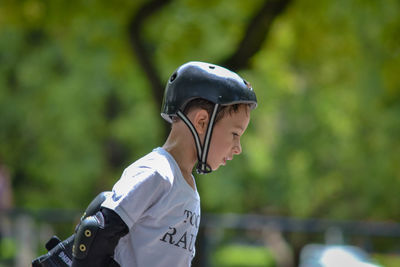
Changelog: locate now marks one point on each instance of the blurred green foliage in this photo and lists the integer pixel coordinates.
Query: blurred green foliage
(8, 249)
(387, 260)
(243, 256)
(75, 107)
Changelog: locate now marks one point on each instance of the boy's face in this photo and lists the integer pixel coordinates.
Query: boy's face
(225, 141)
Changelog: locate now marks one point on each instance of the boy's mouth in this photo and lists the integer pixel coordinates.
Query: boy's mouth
(225, 160)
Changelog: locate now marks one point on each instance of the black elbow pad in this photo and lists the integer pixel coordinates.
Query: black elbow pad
(96, 239)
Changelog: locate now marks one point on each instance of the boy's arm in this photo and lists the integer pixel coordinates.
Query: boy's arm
(60, 252)
(96, 239)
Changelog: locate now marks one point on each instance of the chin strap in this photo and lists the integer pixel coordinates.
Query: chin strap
(202, 151)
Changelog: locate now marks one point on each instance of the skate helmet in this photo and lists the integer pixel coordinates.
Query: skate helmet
(207, 81)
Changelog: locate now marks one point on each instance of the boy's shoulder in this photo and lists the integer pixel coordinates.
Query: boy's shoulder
(156, 163)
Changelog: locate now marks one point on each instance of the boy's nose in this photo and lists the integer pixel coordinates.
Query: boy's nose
(237, 149)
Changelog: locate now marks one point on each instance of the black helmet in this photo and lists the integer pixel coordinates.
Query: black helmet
(207, 81)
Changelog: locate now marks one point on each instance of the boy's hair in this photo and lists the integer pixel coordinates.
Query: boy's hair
(209, 106)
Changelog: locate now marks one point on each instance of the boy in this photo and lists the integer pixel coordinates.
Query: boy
(152, 217)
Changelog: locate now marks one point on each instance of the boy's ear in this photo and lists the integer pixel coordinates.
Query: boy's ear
(200, 121)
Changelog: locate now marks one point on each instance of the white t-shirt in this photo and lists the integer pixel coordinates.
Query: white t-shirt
(161, 210)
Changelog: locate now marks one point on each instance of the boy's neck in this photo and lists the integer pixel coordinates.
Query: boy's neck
(184, 154)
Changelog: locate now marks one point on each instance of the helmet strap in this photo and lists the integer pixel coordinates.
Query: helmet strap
(202, 151)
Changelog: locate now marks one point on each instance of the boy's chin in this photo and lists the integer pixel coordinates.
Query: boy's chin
(214, 168)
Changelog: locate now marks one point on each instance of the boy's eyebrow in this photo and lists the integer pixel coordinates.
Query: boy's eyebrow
(239, 127)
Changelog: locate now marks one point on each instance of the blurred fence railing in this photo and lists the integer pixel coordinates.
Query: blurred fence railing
(288, 224)
(29, 230)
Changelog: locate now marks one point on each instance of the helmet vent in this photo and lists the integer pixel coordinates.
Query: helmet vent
(173, 77)
(211, 67)
(247, 84)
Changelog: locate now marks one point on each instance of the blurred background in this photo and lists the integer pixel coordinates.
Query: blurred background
(81, 85)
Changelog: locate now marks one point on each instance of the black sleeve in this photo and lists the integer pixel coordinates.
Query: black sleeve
(96, 239)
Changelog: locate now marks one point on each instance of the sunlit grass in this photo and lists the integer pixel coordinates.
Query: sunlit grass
(243, 256)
